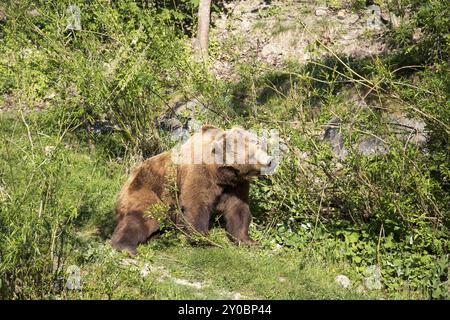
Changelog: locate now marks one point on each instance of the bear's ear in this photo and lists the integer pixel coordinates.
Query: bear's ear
(237, 129)
(207, 127)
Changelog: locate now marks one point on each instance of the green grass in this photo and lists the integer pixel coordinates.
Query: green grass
(52, 187)
(187, 272)
(281, 27)
(167, 268)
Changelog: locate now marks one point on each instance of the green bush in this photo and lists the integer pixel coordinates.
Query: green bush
(119, 67)
(432, 18)
(47, 188)
(388, 210)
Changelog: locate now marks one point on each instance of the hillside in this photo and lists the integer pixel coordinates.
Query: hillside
(357, 91)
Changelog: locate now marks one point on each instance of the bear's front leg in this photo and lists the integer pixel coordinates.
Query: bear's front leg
(238, 221)
(132, 229)
(197, 198)
(234, 204)
(196, 218)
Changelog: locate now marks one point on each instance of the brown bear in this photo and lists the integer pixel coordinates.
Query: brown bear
(211, 170)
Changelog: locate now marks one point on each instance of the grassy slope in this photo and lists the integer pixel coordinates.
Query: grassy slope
(169, 269)
(166, 268)
(185, 272)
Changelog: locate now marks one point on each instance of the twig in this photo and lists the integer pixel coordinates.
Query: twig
(28, 132)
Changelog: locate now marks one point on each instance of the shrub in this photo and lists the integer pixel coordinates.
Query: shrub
(46, 189)
(120, 67)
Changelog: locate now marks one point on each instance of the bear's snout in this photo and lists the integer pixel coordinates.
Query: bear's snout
(264, 159)
(267, 161)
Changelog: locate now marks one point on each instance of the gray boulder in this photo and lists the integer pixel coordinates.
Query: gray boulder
(372, 146)
(410, 130)
(333, 135)
(343, 281)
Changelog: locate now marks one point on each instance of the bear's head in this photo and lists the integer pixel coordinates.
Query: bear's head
(237, 150)
(243, 151)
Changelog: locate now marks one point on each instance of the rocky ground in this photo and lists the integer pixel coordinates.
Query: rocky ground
(272, 32)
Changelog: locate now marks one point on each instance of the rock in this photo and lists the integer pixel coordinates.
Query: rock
(374, 10)
(248, 6)
(268, 50)
(237, 296)
(372, 146)
(229, 5)
(145, 270)
(343, 281)
(352, 18)
(246, 24)
(8, 102)
(372, 279)
(34, 13)
(74, 18)
(301, 155)
(277, 248)
(223, 68)
(341, 15)
(321, 11)
(284, 148)
(267, 32)
(409, 129)
(48, 150)
(221, 22)
(333, 135)
(103, 126)
(282, 46)
(2, 16)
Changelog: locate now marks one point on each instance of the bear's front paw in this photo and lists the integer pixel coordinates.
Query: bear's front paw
(124, 248)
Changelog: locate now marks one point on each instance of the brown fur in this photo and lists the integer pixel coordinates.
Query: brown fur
(200, 189)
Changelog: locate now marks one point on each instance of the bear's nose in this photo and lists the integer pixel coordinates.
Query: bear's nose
(270, 161)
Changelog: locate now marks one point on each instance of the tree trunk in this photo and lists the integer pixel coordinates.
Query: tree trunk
(204, 10)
